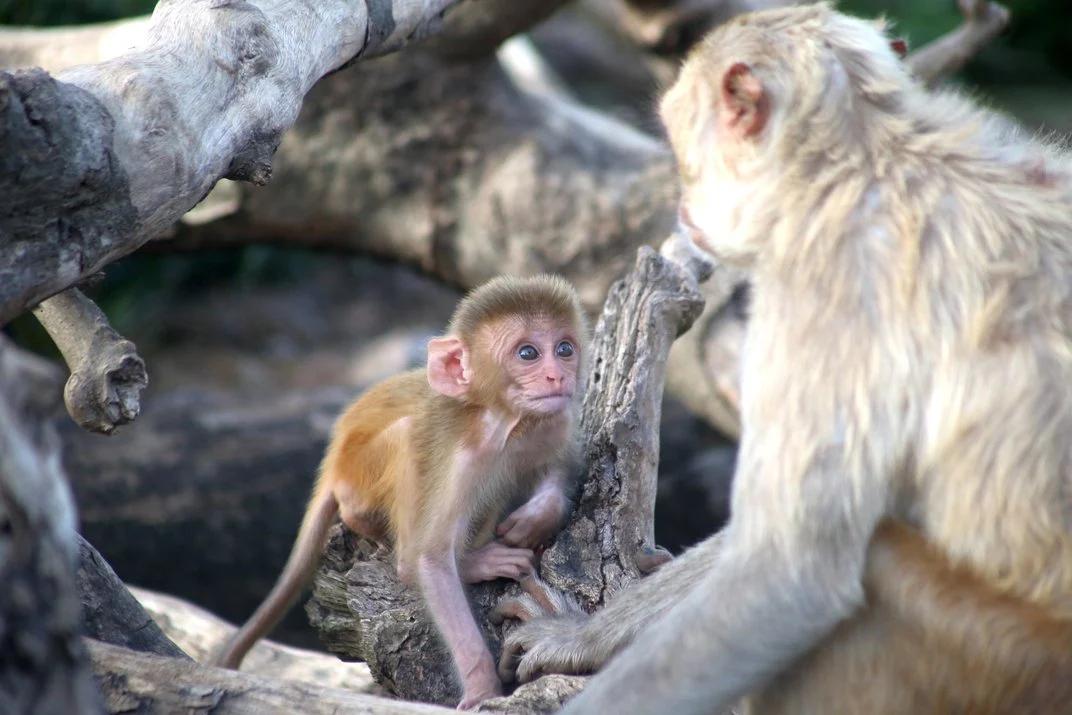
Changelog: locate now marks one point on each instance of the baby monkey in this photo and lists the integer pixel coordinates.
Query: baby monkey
(428, 460)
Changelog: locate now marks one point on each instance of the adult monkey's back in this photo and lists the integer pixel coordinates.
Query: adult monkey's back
(908, 359)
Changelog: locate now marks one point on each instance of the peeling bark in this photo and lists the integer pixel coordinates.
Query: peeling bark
(358, 605)
(107, 374)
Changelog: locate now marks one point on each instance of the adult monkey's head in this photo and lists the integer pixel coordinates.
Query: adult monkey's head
(767, 103)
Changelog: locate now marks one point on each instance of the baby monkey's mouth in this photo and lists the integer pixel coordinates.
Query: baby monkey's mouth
(553, 395)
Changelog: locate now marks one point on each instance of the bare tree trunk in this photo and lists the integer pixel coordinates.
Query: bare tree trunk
(202, 634)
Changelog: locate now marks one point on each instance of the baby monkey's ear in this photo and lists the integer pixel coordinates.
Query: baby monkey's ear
(448, 360)
(900, 46)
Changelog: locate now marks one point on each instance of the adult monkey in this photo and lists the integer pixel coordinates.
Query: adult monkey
(909, 356)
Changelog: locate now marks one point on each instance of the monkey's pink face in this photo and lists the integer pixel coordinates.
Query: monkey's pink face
(541, 361)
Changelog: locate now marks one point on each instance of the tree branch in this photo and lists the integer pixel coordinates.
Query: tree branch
(142, 682)
(983, 21)
(201, 634)
(107, 374)
(671, 27)
(110, 613)
(112, 154)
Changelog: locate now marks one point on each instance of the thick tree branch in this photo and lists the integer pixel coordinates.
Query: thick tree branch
(201, 634)
(110, 612)
(455, 169)
(107, 374)
(111, 154)
(983, 21)
(140, 682)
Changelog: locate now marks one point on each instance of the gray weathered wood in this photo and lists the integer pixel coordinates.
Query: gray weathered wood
(136, 682)
(110, 613)
(103, 157)
(201, 634)
(107, 374)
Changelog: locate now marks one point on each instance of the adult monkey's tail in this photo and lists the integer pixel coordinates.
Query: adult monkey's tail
(303, 559)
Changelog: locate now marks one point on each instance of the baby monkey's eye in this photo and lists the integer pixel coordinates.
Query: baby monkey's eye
(564, 349)
(528, 352)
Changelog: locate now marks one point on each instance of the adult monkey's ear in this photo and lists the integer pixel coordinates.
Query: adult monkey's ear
(899, 45)
(744, 105)
(448, 361)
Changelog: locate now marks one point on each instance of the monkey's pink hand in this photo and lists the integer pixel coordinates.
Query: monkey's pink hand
(535, 521)
(551, 638)
(496, 560)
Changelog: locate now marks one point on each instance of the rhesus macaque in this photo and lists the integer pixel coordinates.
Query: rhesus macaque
(429, 459)
(901, 530)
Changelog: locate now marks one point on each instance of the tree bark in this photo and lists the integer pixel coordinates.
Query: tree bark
(43, 666)
(111, 614)
(202, 634)
(107, 374)
(136, 682)
(363, 612)
(112, 154)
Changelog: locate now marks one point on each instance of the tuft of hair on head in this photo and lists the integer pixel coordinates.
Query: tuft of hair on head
(543, 295)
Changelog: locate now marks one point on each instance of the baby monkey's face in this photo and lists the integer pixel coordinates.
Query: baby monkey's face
(540, 360)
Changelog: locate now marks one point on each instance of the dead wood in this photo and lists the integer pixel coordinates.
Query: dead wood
(135, 682)
(111, 614)
(201, 634)
(111, 154)
(107, 374)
